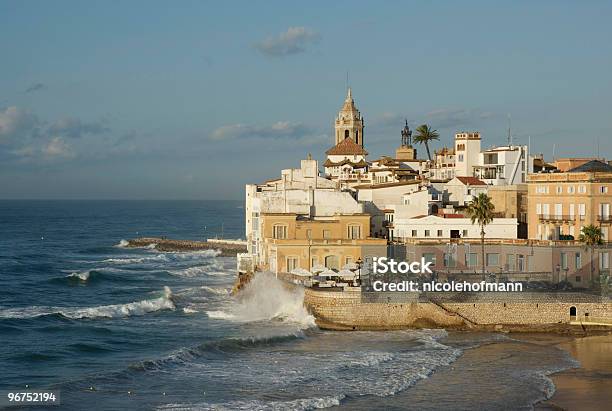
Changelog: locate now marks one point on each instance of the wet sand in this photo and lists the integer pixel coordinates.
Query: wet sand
(590, 386)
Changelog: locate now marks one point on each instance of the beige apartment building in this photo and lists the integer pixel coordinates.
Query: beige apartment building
(560, 204)
(293, 241)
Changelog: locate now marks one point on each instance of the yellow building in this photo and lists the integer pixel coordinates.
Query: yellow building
(293, 241)
(560, 204)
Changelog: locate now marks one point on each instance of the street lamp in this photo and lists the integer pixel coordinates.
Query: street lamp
(359, 262)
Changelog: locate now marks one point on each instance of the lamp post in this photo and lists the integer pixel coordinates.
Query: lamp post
(359, 262)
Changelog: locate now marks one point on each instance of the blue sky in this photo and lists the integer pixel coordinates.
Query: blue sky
(191, 100)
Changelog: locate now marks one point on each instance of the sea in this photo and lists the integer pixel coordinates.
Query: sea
(116, 328)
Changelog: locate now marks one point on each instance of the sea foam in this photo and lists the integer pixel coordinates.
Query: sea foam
(104, 311)
(266, 298)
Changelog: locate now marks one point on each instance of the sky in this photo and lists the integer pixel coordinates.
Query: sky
(193, 100)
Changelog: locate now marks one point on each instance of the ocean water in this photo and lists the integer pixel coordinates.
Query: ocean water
(114, 328)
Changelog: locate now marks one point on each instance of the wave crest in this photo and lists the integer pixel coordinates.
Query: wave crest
(104, 311)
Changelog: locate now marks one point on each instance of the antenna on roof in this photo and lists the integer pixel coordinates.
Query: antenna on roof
(509, 129)
(597, 147)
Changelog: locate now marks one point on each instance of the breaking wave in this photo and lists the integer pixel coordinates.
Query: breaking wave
(228, 345)
(122, 244)
(104, 311)
(267, 298)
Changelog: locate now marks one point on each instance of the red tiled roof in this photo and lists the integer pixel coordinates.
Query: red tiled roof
(346, 147)
(472, 181)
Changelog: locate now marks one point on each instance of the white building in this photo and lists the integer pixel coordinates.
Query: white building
(462, 190)
(467, 152)
(506, 165)
(443, 166)
(301, 191)
(451, 226)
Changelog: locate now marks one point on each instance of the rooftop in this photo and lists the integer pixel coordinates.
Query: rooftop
(346, 147)
(591, 167)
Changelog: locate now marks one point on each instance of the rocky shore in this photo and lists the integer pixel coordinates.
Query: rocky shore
(227, 249)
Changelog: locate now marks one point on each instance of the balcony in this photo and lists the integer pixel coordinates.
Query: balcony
(604, 219)
(556, 218)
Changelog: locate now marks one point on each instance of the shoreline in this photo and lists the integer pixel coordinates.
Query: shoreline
(587, 386)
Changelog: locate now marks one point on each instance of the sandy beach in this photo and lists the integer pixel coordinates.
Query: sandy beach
(590, 386)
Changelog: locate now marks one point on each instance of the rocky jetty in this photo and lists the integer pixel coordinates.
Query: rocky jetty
(228, 248)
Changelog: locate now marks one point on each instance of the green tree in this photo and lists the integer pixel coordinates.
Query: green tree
(480, 210)
(424, 135)
(590, 236)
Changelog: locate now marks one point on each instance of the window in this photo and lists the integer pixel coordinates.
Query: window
(582, 189)
(603, 189)
(471, 259)
(564, 261)
(327, 234)
(460, 147)
(427, 233)
(464, 233)
(449, 260)
(571, 189)
(439, 233)
(346, 134)
(348, 260)
(414, 233)
(492, 259)
(292, 263)
(559, 189)
(354, 232)
(430, 257)
(604, 261)
(511, 261)
(581, 210)
(309, 234)
(520, 262)
(280, 231)
(313, 262)
(331, 262)
(460, 158)
(578, 260)
(578, 278)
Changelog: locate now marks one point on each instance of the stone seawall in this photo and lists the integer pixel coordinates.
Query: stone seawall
(538, 312)
(229, 249)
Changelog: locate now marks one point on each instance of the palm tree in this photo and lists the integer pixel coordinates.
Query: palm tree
(480, 210)
(591, 236)
(425, 134)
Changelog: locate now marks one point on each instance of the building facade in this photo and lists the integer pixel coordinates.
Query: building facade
(561, 204)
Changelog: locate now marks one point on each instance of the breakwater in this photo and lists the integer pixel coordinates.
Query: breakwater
(228, 248)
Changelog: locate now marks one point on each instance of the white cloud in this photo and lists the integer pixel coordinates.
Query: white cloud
(57, 147)
(274, 131)
(15, 122)
(295, 40)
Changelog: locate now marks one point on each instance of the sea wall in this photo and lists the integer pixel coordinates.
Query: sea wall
(356, 310)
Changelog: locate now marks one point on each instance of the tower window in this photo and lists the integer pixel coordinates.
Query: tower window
(346, 134)
(357, 136)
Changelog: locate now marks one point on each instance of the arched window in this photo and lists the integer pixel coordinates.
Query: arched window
(346, 134)
(331, 262)
(573, 312)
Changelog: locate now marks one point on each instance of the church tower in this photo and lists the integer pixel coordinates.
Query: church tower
(349, 123)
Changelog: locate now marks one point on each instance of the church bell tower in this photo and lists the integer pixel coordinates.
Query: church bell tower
(349, 123)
